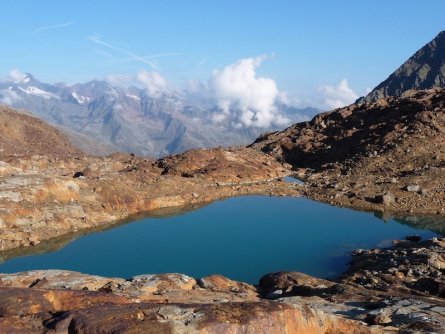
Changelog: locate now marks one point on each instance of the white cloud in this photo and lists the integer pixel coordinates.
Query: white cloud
(57, 26)
(249, 100)
(119, 79)
(130, 54)
(15, 76)
(8, 97)
(283, 98)
(153, 82)
(337, 96)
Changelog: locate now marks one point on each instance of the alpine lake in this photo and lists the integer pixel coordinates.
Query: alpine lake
(242, 238)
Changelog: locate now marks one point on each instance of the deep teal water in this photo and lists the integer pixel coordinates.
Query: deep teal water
(242, 238)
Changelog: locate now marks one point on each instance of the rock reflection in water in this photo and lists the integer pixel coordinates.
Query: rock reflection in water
(55, 244)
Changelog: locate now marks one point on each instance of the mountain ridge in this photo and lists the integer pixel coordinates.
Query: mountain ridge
(129, 119)
(423, 70)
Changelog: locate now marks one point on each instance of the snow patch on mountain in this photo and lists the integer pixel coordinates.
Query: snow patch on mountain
(31, 90)
(134, 119)
(133, 97)
(81, 99)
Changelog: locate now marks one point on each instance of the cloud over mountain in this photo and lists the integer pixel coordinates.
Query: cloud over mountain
(243, 98)
(153, 82)
(337, 96)
(14, 76)
(242, 95)
(8, 97)
(144, 114)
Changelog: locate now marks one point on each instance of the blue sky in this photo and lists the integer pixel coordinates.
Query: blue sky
(309, 44)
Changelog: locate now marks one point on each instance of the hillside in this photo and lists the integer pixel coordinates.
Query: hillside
(78, 191)
(87, 144)
(22, 134)
(355, 155)
(424, 70)
(356, 132)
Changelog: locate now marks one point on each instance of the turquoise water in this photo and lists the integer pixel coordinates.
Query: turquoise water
(242, 238)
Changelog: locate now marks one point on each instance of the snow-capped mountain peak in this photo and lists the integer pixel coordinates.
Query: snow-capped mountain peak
(26, 79)
(134, 119)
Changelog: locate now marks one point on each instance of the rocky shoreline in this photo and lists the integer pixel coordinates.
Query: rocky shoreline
(42, 197)
(399, 289)
(51, 199)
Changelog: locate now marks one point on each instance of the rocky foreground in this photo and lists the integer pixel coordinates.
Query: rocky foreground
(395, 290)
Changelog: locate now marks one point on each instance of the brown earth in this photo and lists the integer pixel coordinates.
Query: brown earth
(385, 156)
(22, 134)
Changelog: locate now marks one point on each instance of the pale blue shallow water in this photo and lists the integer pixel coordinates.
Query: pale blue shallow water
(242, 238)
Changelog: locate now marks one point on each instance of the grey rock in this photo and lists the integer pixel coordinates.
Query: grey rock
(413, 188)
(385, 199)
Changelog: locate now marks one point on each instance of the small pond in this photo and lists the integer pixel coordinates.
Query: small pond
(242, 238)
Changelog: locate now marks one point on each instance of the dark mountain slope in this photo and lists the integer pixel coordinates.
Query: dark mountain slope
(424, 70)
(390, 152)
(357, 132)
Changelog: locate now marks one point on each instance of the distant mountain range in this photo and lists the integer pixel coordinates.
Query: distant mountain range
(101, 118)
(424, 70)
